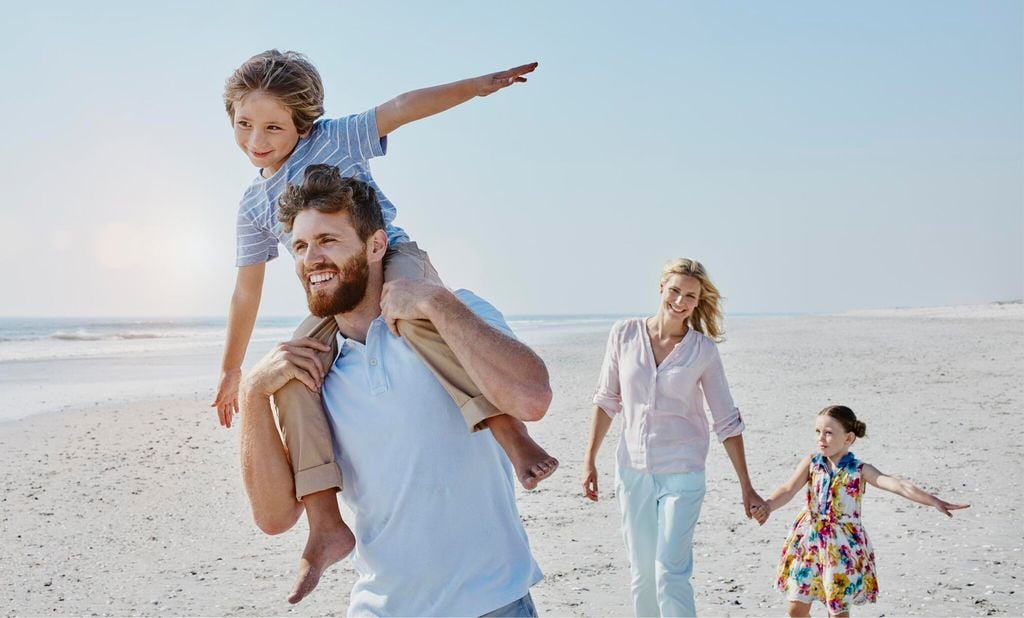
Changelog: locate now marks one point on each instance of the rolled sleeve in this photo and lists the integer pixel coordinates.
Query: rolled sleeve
(727, 419)
(609, 394)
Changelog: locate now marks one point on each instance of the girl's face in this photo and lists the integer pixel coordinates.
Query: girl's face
(833, 441)
(679, 297)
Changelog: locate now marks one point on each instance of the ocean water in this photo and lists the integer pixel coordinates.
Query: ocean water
(35, 339)
(54, 364)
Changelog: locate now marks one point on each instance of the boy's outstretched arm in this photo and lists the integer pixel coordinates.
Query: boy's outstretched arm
(418, 104)
(908, 490)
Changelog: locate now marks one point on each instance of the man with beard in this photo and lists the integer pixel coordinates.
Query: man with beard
(436, 525)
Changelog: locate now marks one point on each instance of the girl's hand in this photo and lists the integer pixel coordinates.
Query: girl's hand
(751, 499)
(945, 507)
(590, 481)
(761, 512)
(226, 400)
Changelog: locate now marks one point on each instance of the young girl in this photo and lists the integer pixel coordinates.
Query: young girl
(827, 556)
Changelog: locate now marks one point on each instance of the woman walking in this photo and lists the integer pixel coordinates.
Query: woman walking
(657, 372)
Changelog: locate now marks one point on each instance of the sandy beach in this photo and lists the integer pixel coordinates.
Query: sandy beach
(136, 507)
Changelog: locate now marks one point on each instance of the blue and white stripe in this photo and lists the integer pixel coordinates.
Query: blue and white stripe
(348, 143)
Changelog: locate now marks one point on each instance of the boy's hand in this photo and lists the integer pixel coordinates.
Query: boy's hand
(226, 400)
(488, 84)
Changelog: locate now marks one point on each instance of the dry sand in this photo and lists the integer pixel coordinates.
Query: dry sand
(138, 508)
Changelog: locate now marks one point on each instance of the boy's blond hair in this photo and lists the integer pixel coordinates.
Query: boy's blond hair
(288, 76)
(707, 316)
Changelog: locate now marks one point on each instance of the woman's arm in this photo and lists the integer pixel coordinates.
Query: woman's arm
(598, 430)
(908, 490)
(245, 304)
(737, 455)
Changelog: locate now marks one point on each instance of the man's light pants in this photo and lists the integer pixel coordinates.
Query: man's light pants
(659, 514)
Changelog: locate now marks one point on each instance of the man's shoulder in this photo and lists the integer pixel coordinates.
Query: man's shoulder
(484, 310)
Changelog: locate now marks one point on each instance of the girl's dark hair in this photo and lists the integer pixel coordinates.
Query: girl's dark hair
(847, 419)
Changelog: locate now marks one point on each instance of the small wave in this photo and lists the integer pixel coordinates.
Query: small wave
(80, 335)
(84, 335)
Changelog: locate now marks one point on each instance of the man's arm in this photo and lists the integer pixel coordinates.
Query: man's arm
(419, 104)
(269, 481)
(510, 375)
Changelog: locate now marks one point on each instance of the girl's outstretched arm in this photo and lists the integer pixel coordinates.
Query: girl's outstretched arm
(908, 490)
(785, 492)
(418, 104)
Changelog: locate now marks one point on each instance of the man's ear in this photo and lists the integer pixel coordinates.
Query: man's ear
(377, 246)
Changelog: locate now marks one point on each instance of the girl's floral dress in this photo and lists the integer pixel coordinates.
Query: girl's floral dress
(827, 556)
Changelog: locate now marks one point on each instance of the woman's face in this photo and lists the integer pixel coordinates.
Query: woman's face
(679, 297)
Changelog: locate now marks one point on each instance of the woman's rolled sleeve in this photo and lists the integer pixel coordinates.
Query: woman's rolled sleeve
(727, 419)
(609, 395)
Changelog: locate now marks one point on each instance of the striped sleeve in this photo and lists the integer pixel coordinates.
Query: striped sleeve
(255, 242)
(357, 135)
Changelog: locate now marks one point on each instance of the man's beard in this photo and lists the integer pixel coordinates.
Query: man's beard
(353, 278)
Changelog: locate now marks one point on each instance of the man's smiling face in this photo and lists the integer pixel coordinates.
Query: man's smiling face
(330, 260)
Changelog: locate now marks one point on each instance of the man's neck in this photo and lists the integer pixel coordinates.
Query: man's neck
(356, 323)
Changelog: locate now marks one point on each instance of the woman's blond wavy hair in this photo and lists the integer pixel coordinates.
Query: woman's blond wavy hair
(707, 316)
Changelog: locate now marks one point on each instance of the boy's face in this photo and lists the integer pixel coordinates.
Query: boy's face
(265, 131)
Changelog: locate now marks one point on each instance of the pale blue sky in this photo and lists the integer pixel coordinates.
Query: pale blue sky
(815, 156)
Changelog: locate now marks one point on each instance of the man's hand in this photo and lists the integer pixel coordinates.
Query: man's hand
(408, 299)
(292, 360)
(226, 399)
(493, 82)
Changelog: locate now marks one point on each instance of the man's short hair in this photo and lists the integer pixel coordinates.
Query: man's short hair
(324, 189)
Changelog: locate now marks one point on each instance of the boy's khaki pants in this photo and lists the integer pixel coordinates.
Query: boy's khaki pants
(301, 415)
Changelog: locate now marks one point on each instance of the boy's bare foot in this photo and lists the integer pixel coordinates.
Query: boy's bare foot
(531, 462)
(330, 540)
(322, 550)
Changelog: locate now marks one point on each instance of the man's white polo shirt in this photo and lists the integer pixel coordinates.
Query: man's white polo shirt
(436, 525)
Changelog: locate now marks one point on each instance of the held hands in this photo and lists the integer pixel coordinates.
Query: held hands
(292, 360)
(493, 82)
(762, 512)
(226, 399)
(590, 481)
(754, 506)
(408, 299)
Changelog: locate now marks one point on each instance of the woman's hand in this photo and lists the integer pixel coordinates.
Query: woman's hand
(751, 501)
(590, 481)
(761, 512)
